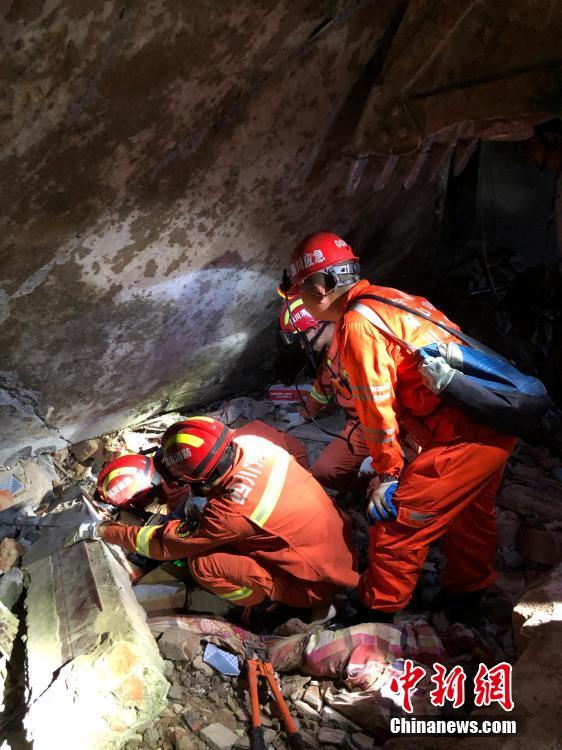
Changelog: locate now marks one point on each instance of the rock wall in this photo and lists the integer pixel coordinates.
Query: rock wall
(159, 161)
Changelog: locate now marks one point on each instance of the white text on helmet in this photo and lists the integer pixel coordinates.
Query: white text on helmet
(307, 260)
(177, 458)
(340, 243)
(119, 486)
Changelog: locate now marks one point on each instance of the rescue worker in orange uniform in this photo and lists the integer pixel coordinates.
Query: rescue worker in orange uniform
(449, 489)
(338, 464)
(134, 480)
(268, 531)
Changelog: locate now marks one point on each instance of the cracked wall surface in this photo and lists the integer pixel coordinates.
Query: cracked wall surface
(159, 160)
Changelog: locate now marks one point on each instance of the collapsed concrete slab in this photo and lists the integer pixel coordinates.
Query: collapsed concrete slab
(95, 673)
(8, 632)
(161, 598)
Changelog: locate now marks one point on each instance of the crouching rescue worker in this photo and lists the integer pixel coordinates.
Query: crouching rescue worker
(268, 531)
(338, 464)
(134, 481)
(449, 488)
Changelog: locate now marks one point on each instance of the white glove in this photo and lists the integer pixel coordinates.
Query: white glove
(366, 468)
(436, 373)
(293, 419)
(86, 532)
(380, 493)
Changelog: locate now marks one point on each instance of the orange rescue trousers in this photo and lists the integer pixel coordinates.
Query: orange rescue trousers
(336, 467)
(448, 490)
(242, 580)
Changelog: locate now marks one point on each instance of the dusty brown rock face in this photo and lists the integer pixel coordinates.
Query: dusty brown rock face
(159, 162)
(85, 450)
(10, 553)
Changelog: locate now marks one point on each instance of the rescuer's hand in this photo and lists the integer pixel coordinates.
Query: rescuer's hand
(293, 419)
(436, 373)
(380, 493)
(366, 468)
(86, 532)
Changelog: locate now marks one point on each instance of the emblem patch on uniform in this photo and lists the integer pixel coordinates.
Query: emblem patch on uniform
(186, 528)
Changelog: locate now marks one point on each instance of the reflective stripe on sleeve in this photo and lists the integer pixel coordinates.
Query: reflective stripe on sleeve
(375, 393)
(142, 542)
(236, 596)
(270, 496)
(379, 437)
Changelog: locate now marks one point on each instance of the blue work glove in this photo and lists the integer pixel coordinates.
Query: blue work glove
(380, 493)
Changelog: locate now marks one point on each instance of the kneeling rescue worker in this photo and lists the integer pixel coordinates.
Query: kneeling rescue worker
(337, 466)
(449, 489)
(268, 531)
(135, 480)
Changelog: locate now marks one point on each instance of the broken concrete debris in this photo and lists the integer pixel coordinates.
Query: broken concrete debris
(160, 598)
(85, 450)
(178, 645)
(31, 481)
(8, 632)
(11, 587)
(540, 604)
(88, 646)
(10, 552)
(219, 737)
(202, 708)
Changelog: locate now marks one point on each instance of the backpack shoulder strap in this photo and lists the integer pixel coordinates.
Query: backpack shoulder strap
(379, 323)
(468, 340)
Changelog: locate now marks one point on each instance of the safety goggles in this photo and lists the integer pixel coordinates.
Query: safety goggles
(161, 473)
(328, 278)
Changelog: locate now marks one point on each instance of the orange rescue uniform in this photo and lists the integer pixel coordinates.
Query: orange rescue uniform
(336, 467)
(285, 440)
(449, 489)
(271, 532)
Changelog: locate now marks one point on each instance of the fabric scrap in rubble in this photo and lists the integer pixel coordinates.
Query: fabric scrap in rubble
(366, 657)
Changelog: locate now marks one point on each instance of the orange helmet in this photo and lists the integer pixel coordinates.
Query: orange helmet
(295, 318)
(194, 447)
(126, 480)
(321, 252)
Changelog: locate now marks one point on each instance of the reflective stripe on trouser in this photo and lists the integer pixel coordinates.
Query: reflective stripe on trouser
(245, 581)
(449, 491)
(336, 467)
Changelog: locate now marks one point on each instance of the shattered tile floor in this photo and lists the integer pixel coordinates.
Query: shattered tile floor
(338, 699)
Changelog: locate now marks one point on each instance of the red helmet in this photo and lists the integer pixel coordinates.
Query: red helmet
(194, 447)
(321, 251)
(126, 480)
(295, 318)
